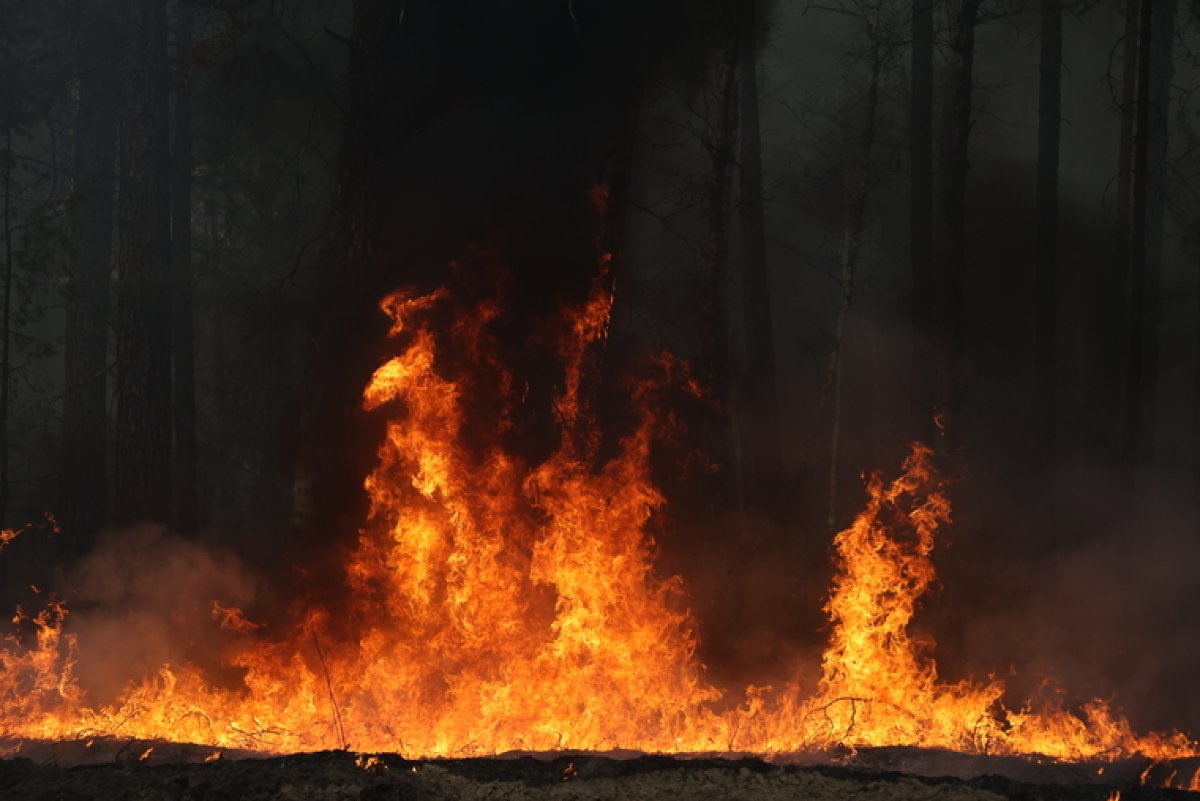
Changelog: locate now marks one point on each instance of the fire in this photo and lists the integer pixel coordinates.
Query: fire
(498, 604)
(7, 535)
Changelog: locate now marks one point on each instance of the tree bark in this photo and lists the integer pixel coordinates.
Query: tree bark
(182, 319)
(953, 282)
(143, 330)
(1045, 318)
(924, 373)
(760, 414)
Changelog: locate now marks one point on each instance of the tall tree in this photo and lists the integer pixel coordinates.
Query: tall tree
(183, 333)
(142, 479)
(9, 107)
(952, 294)
(1158, 99)
(881, 45)
(760, 413)
(1143, 303)
(920, 142)
(346, 330)
(716, 345)
(85, 414)
(1046, 237)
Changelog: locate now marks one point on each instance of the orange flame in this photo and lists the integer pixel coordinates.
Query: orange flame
(504, 605)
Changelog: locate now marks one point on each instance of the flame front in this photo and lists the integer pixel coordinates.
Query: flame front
(498, 604)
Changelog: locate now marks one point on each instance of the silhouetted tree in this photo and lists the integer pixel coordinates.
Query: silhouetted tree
(1045, 317)
(182, 315)
(881, 41)
(96, 56)
(921, 255)
(142, 478)
(951, 292)
(1139, 388)
(760, 413)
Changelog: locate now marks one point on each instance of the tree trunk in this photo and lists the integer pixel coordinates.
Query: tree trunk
(1137, 386)
(347, 332)
(85, 350)
(1045, 304)
(143, 330)
(1162, 72)
(924, 373)
(716, 349)
(1117, 336)
(6, 317)
(953, 284)
(183, 339)
(856, 222)
(760, 413)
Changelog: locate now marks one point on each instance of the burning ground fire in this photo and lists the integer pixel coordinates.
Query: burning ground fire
(501, 605)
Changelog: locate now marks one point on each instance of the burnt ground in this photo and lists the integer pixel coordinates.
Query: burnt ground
(117, 771)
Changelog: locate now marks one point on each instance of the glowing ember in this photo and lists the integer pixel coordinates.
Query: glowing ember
(502, 605)
(7, 535)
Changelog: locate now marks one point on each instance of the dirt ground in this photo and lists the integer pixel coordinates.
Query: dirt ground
(342, 776)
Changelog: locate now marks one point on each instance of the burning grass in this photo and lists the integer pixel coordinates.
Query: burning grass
(499, 605)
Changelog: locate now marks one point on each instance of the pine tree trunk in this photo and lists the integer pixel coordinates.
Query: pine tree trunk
(347, 332)
(952, 297)
(760, 414)
(856, 223)
(1045, 318)
(85, 350)
(6, 320)
(716, 348)
(924, 373)
(143, 326)
(1162, 72)
(1137, 395)
(183, 339)
(1117, 336)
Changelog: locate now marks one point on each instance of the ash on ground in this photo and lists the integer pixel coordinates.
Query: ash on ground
(343, 776)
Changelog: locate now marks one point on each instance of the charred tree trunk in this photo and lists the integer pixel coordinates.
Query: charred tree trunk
(1138, 376)
(85, 350)
(856, 222)
(924, 374)
(1045, 318)
(760, 413)
(183, 324)
(952, 294)
(143, 330)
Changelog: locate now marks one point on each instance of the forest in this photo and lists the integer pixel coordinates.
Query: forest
(850, 225)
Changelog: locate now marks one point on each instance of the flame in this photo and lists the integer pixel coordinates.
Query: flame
(498, 604)
(1161, 773)
(7, 535)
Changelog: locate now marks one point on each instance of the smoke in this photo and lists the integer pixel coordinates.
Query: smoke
(144, 598)
(1110, 615)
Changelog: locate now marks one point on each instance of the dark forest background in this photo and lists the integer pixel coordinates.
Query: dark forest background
(863, 222)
